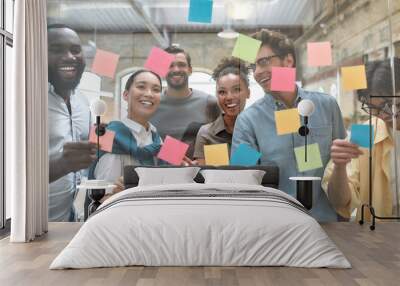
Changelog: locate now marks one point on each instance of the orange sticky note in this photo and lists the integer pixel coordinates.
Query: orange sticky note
(353, 78)
(287, 121)
(216, 154)
(106, 141)
(283, 79)
(319, 54)
(173, 150)
(105, 63)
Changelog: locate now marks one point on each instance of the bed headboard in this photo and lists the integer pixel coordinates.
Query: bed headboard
(270, 179)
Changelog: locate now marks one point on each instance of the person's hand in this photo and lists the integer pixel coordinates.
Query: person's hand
(188, 162)
(343, 151)
(119, 185)
(78, 155)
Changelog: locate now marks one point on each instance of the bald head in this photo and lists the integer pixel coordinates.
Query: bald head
(65, 58)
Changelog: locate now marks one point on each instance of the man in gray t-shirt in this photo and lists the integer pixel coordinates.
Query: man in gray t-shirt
(183, 110)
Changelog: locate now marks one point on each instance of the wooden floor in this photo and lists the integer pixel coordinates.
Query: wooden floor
(374, 255)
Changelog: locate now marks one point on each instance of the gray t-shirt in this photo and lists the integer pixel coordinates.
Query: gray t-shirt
(182, 118)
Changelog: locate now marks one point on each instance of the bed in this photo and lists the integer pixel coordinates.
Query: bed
(201, 224)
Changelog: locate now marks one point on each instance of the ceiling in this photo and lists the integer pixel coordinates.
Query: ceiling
(171, 15)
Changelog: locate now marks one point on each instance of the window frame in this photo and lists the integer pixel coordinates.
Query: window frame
(6, 39)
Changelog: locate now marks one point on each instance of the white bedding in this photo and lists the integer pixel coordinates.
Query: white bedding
(183, 231)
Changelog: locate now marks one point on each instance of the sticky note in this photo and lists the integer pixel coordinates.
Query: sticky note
(360, 134)
(319, 54)
(90, 86)
(287, 121)
(90, 82)
(246, 48)
(314, 160)
(106, 141)
(173, 150)
(244, 155)
(283, 79)
(159, 61)
(105, 63)
(200, 11)
(353, 78)
(216, 154)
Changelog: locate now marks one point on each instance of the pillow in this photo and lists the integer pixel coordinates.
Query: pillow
(248, 177)
(163, 176)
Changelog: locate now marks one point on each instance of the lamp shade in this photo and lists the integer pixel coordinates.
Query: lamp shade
(306, 107)
(228, 34)
(98, 107)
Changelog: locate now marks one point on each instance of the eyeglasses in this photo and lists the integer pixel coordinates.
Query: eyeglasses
(262, 62)
(384, 108)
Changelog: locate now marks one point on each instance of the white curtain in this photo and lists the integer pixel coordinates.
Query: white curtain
(26, 123)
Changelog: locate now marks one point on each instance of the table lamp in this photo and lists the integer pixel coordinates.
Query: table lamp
(98, 108)
(97, 190)
(305, 108)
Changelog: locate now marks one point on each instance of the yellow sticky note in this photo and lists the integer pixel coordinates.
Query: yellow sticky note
(353, 78)
(287, 121)
(216, 154)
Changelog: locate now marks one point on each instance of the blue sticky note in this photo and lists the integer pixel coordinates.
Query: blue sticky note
(244, 155)
(200, 11)
(360, 134)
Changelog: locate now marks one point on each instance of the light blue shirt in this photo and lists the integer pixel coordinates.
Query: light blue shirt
(255, 126)
(64, 128)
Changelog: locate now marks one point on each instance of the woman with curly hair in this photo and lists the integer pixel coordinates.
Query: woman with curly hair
(232, 87)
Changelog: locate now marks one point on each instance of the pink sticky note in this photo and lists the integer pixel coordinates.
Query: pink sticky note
(159, 61)
(319, 54)
(106, 141)
(105, 63)
(283, 79)
(173, 151)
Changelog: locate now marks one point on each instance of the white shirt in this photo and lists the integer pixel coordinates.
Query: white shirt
(63, 128)
(111, 166)
(396, 142)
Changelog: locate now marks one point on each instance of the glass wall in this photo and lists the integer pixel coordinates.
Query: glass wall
(355, 48)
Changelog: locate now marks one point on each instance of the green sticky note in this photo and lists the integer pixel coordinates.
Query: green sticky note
(314, 160)
(246, 48)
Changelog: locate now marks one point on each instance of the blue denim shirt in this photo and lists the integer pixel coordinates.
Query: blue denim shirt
(255, 126)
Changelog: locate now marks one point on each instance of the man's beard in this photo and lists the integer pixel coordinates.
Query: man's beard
(61, 84)
(179, 85)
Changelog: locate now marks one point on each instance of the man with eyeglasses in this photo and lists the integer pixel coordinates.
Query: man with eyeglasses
(183, 110)
(346, 178)
(256, 125)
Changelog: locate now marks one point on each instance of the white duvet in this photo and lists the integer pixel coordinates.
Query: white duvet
(188, 231)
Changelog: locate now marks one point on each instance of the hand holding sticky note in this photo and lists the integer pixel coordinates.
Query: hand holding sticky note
(216, 154)
(200, 11)
(314, 160)
(353, 78)
(105, 63)
(283, 79)
(173, 151)
(244, 155)
(159, 61)
(106, 141)
(246, 48)
(360, 134)
(287, 121)
(319, 54)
